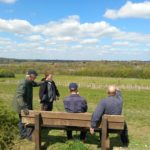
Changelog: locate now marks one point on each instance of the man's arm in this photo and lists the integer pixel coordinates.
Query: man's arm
(19, 97)
(35, 84)
(97, 115)
(118, 94)
(84, 106)
(65, 105)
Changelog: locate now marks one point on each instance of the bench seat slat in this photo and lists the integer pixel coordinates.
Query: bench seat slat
(60, 115)
(72, 119)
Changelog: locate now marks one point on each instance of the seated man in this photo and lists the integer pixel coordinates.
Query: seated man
(75, 104)
(112, 105)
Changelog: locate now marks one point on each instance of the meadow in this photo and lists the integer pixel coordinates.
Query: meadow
(136, 95)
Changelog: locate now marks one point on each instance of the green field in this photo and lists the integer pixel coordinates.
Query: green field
(136, 93)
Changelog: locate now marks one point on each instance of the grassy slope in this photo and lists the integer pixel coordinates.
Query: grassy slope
(136, 110)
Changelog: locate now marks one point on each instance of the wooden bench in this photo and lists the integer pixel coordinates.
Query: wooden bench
(63, 120)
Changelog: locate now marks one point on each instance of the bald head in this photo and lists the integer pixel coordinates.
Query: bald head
(111, 90)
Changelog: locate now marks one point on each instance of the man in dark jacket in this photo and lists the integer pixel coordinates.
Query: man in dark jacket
(111, 105)
(23, 100)
(48, 92)
(75, 104)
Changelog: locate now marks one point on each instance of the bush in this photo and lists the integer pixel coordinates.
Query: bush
(6, 73)
(8, 127)
(75, 145)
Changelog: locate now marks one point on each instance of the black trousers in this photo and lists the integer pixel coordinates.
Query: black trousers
(47, 106)
(124, 135)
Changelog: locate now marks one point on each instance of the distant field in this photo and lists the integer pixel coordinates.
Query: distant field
(136, 94)
(125, 69)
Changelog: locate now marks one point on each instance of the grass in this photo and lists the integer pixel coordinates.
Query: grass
(136, 110)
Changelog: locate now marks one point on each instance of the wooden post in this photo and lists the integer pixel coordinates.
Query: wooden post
(104, 133)
(37, 131)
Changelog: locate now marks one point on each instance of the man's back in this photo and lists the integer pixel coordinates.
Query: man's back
(113, 104)
(75, 103)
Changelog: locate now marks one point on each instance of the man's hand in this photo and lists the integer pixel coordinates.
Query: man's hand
(26, 111)
(92, 130)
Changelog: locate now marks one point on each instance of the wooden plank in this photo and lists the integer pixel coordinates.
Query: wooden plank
(66, 122)
(61, 115)
(59, 122)
(63, 120)
(115, 118)
(66, 115)
(37, 132)
(79, 116)
(104, 133)
(117, 126)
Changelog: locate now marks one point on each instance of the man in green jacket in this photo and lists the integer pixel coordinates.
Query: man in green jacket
(23, 100)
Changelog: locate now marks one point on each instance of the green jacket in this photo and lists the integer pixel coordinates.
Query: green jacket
(24, 95)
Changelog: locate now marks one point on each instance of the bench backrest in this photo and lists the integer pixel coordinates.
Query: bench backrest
(71, 119)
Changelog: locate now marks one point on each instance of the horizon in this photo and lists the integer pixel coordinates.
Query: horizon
(71, 60)
(75, 30)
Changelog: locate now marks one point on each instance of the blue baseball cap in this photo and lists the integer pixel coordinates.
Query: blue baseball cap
(73, 86)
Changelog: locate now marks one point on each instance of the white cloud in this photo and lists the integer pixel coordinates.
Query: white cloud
(67, 38)
(134, 37)
(34, 38)
(121, 43)
(89, 41)
(15, 26)
(8, 1)
(130, 10)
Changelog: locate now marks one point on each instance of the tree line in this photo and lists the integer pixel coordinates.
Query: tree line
(125, 69)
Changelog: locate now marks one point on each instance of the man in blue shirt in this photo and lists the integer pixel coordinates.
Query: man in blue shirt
(111, 105)
(75, 104)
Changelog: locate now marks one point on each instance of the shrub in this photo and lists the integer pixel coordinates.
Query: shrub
(6, 73)
(8, 127)
(75, 145)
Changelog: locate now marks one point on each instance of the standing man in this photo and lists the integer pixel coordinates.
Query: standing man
(75, 104)
(48, 92)
(23, 101)
(112, 105)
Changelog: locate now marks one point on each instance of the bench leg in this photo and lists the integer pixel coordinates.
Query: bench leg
(105, 143)
(37, 132)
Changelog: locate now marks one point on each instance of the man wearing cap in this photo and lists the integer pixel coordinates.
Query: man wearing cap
(75, 104)
(111, 105)
(23, 100)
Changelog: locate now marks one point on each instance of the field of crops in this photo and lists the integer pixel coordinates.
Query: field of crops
(136, 95)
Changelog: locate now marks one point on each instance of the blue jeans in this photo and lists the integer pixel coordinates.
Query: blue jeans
(25, 132)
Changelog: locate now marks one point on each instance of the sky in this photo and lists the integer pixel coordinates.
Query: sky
(75, 29)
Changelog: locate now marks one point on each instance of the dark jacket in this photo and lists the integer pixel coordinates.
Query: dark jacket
(75, 104)
(24, 95)
(111, 105)
(48, 91)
